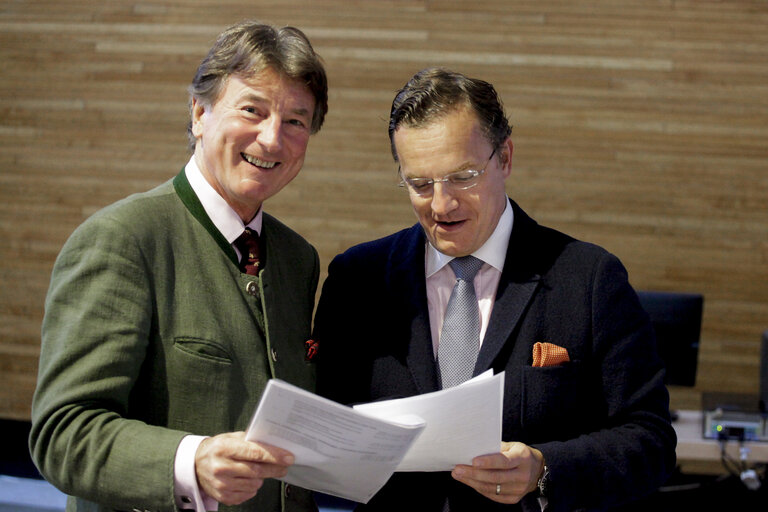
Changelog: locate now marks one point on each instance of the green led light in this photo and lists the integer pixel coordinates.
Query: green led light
(719, 428)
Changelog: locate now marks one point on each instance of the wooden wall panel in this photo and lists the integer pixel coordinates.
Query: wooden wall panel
(639, 125)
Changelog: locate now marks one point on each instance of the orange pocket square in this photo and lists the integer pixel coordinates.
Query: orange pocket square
(549, 354)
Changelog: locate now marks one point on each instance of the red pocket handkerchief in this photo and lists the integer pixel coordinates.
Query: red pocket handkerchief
(549, 354)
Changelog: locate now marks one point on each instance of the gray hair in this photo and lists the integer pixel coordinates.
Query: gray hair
(248, 48)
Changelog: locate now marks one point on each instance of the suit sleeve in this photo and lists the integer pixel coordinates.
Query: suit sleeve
(94, 340)
(634, 450)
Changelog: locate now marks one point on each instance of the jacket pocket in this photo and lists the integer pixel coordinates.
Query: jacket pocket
(556, 400)
(206, 349)
(200, 375)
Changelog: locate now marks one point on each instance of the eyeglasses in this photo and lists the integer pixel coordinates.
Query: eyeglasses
(459, 180)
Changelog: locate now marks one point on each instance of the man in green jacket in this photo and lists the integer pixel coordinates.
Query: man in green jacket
(161, 329)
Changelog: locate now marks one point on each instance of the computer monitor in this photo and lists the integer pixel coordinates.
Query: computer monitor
(764, 374)
(676, 318)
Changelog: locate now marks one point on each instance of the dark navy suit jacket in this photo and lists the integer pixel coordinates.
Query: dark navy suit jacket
(601, 420)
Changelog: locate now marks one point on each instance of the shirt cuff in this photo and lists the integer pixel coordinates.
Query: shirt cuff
(188, 494)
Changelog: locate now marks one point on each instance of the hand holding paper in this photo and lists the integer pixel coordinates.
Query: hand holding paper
(462, 422)
(351, 453)
(337, 450)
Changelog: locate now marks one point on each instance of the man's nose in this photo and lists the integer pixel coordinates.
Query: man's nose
(443, 199)
(270, 134)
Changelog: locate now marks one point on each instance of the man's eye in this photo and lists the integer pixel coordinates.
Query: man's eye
(297, 122)
(251, 110)
(461, 177)
(419, 184)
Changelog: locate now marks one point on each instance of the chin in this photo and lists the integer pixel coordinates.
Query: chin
(449, 249)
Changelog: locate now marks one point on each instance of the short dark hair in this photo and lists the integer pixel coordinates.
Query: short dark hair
(434, 92)
(248, 48)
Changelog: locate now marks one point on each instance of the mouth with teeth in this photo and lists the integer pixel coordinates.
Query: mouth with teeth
(256, 162)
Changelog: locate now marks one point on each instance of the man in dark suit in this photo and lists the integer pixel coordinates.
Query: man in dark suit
(166, 316)
(585, 416)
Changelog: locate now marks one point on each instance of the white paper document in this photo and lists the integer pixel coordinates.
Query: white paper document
(462, 423)
(352, 452)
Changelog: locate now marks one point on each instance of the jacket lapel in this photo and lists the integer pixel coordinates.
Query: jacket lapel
(192, 203)
(519, 282)
(517, 286)
(409, 285)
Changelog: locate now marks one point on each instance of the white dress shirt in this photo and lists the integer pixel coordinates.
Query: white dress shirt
(227, 221)
(440, 277)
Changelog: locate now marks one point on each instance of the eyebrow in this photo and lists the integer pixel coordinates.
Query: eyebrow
(462, 167)
(255, 98)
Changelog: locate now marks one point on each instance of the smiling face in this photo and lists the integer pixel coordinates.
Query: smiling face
(251, 142)
(456, 222)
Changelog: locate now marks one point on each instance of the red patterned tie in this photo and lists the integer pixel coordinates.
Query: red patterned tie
(248, 245)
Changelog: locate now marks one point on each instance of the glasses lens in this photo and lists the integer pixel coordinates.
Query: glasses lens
(463, 179)
(420, 185)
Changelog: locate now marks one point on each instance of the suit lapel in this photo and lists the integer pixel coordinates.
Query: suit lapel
(409, 284)
(517, 285)
(192, 203)
(519, 282)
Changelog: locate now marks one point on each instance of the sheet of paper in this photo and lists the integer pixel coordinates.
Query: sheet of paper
(462, 423)
(338, 451)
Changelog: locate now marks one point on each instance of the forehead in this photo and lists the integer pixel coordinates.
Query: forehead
(270, 86)
(451, 142)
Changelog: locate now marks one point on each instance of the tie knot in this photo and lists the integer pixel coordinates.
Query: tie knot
(248, 245)
(466, 267)
(248, 239)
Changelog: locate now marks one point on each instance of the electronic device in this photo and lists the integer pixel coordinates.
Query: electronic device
(764, 374)
(676, 318)
(733, 416)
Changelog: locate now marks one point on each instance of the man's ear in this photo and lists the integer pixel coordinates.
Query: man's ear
(506, 150)
(198, 110)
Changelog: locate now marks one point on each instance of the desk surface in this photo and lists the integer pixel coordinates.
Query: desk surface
(692, 446)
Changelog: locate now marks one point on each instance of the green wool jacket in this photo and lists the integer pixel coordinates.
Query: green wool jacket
(151, 333)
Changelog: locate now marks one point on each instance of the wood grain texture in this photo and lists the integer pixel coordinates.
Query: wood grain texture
(639, 125)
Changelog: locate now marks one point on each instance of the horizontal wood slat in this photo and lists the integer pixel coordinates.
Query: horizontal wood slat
(641, 125)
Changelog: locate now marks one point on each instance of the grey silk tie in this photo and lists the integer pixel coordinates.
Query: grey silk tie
(460, 337)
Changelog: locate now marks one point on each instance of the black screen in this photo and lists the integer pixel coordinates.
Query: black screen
(676, 318)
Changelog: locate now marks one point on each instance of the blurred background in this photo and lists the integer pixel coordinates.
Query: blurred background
(640, 125)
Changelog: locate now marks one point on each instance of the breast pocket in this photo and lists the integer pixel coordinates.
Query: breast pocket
(199, 380)
(557, 402)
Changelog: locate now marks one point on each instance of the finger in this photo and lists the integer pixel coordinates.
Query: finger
(494, 461)
(228, 490)
(506, 492)
(267, 453)
(511, 483)
(234, 497)
(483, 478)
(231, 470)
(234, 446)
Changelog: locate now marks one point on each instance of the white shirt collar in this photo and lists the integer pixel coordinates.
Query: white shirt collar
(221, 214)
(492, 252)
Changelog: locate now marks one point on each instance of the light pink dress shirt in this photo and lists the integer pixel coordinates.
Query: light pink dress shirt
(440, 277)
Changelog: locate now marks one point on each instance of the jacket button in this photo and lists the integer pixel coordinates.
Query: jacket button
(274, 354)
(252, 288)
